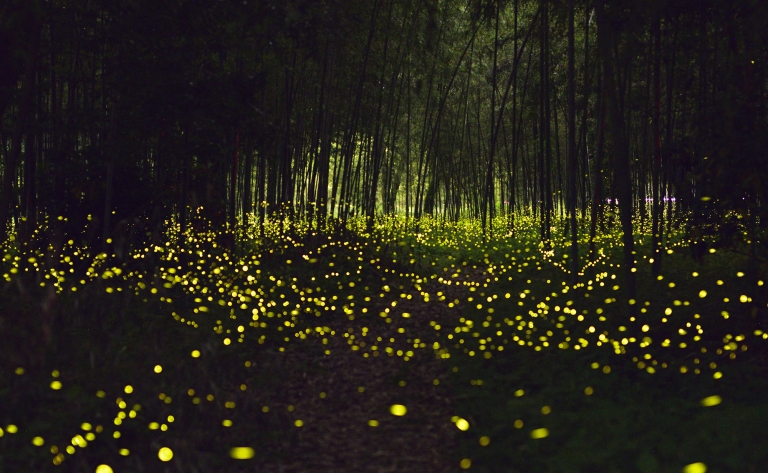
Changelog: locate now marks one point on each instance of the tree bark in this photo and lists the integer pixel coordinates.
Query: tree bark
(573, 165)
(656, 206)
(621, 171)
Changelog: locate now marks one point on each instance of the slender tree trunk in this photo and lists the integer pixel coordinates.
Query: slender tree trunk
(408, 153)
(573, 165)
(262, 172)
(487, 198)
(543, 96)
(246, 206)
(666, 165)
(562, 197)
(29, 201)
(586, 85)
(184, 187)
(545, 168)
(233, 184)
(620, 147)
(513, 164)
(597, 190)
(656, 205)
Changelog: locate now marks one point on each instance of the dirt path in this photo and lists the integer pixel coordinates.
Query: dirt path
(336, 435)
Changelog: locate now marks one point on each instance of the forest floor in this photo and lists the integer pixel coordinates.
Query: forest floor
(428, 351)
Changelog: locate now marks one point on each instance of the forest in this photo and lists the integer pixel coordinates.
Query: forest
(524, 236)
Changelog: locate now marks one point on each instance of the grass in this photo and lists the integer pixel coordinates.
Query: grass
(295, 347)
(626, 420)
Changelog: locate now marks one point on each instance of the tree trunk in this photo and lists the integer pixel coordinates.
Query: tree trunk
(621, 171)
(656, 206)
(597, 190)
(487, 198)
(573, 165)
(233, 183)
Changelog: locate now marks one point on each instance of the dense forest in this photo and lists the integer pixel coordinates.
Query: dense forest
(327, 109)
(198, 160)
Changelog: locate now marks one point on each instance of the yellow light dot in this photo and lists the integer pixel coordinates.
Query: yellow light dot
(462, 424)
(398, 410)
(546, 410)
(373, 423)
(519, 392)
(124, 452)
(711, 401)
(485, 440)
(695, 468)
(56, 385)
(38, 441)
(588, 390)
(165, 454)
(465, 463)
(702, 294)
(158, 369)
(128, 389)
(195, 353)
(242, 453)
(645, 328)
(298, 423)
(539, 433)
(226, 423)
(86, 426)
(717, 375)
(103, 469)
